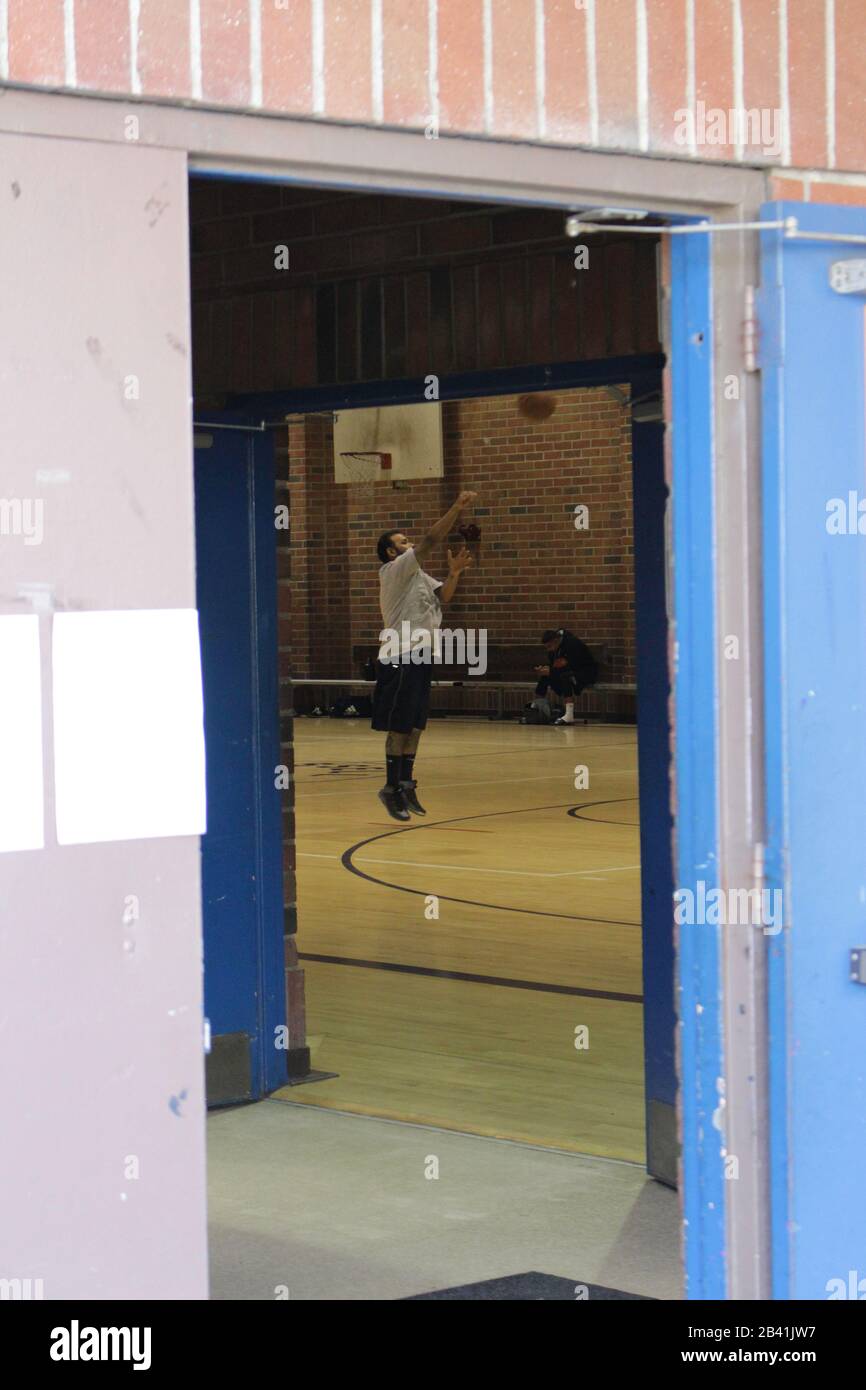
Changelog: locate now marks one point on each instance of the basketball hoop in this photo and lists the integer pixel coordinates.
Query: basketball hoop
(374, 455)
(363, 469)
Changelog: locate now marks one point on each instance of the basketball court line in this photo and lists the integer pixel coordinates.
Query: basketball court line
(409, 981)
(348, 860)
(601, 820)
(475, 869)
(498, 981)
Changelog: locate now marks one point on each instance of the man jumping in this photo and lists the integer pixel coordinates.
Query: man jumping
(411, 603)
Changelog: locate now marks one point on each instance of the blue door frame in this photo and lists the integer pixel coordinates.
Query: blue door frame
(241, 852)
(695, 684)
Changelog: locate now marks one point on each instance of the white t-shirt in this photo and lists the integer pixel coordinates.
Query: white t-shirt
(407, 596)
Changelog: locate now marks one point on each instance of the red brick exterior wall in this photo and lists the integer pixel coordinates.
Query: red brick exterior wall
(611, 74)
(532, 568)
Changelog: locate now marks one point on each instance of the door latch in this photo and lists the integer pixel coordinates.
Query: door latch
(858, 965)
(848, 277)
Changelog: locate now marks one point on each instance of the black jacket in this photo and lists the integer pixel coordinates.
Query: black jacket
(579, 659)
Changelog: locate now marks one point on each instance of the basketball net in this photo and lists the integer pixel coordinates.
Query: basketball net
(364, 470)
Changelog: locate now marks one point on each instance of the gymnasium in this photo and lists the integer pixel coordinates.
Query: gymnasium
(584, 1023)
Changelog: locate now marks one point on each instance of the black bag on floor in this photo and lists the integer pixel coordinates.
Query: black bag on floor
(351, 707)
(537, 713)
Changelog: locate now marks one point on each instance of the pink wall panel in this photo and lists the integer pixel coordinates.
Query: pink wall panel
(103, 1190)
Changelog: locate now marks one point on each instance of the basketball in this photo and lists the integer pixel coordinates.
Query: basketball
(536, 406)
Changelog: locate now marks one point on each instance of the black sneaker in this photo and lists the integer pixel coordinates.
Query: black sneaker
(392, 799)
(411, 799)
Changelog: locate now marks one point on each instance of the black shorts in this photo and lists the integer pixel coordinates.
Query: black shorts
(564, 683)
(401, 699)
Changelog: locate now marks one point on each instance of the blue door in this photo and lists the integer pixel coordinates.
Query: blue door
(814, 482)
(241, 855)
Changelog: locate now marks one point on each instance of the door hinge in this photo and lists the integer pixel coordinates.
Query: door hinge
(750, 330)
(763, 327)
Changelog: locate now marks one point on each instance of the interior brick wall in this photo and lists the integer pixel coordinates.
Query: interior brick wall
(532, 569)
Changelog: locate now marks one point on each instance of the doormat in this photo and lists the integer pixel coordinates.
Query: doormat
(530, 1288)
(305, 1080)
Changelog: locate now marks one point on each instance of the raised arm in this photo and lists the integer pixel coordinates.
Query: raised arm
(440, 529)
(456, 565)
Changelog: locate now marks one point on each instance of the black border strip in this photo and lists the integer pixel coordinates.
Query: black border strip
(467, 978)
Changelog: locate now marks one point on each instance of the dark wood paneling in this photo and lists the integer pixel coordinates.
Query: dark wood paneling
(514, 304)
(490, 334)
(441, 325)
(394, 325)
(202, 337)
(565, 335)
(221, 341)
(418, 356)
(646, 297)
(305, 336)
(348, 339)
(619, 297)
(326, 332)
(465, 310)
(591, 308)
(284, 337)
(371, 329)
(241, 344)
(540, 345)
(262, 352)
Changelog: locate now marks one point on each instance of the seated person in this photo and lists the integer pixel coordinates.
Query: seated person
(571, 668)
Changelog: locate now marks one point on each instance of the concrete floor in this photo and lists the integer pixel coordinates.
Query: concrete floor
(335, 1207)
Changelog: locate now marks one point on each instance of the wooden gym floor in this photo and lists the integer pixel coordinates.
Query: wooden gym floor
(469, 1022)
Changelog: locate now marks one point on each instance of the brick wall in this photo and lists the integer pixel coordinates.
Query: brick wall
(391, 287)
(532, 568)
(606, 73)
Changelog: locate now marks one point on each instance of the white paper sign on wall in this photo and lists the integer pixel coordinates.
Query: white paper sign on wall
(129, 758)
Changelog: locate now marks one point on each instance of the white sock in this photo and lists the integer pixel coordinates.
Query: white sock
(568, 717)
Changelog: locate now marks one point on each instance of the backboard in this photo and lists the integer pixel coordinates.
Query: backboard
(388, 443)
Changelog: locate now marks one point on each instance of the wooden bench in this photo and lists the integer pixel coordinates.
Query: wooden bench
(506, 661)
(501, 692)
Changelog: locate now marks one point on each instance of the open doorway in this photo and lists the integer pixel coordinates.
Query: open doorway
(479, 970)
(503, 965)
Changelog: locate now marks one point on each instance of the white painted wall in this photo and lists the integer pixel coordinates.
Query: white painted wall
(102, 1165)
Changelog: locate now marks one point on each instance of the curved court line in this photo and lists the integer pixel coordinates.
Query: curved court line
(347, 860)
(598, 820)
